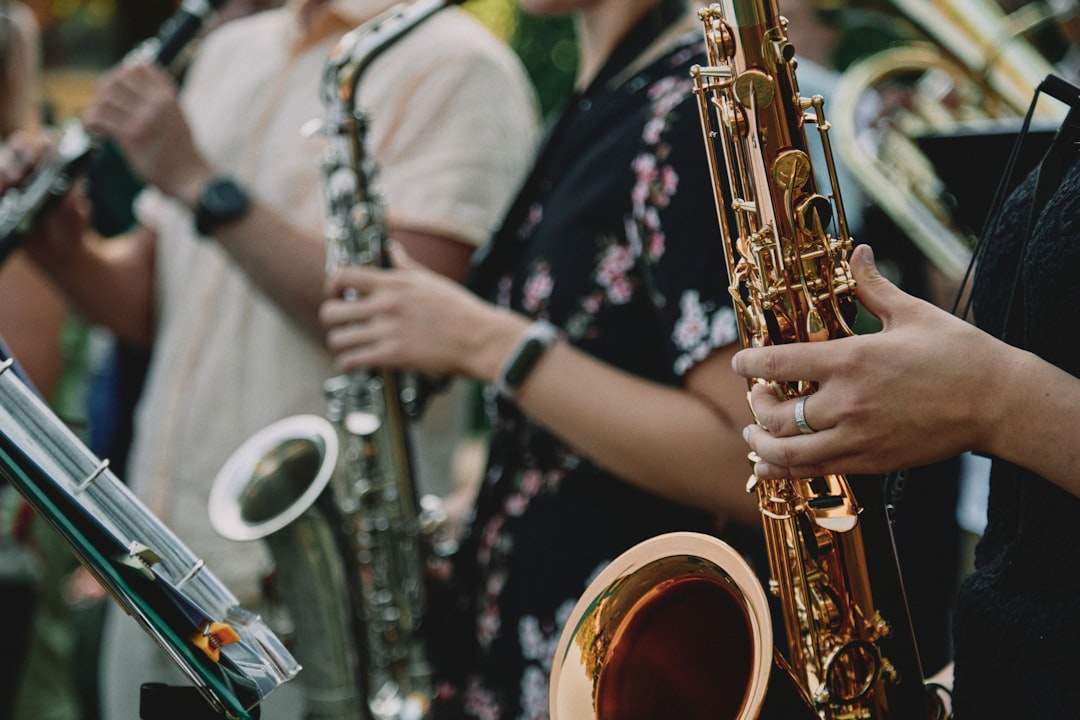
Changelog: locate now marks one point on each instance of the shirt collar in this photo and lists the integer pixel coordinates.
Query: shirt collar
(332, 19)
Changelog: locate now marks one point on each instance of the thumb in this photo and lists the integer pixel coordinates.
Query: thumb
(873, 289)
(400, 258)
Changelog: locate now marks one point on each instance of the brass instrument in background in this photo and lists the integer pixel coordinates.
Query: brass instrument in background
(976, 72)
(335, 498)
(850, 648)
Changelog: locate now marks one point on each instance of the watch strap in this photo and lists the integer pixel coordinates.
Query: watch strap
(534, 342)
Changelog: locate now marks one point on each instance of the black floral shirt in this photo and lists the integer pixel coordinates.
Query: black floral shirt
(614, 239)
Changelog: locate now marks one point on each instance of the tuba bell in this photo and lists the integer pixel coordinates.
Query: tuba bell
(972, 71)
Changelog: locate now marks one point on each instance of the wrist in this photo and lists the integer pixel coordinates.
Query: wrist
(528, 350)
(486, 338)
(1014, 384)
(188, 183)
(221, 200)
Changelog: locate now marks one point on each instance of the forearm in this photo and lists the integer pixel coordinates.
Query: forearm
(668, 440)
(289, 264)
(108, 282)
(25, 293)
(663, 439)
(683, 443)
(286, 263)
(1031, 418)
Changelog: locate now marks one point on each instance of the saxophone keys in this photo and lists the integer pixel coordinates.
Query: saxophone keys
(314, 126)
(833, 511)
(814, 214)
(816, 330)
(791, 169)
(754, 89)
(362, 424)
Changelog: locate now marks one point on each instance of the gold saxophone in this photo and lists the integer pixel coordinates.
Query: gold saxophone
(850, 649)
(335, 498)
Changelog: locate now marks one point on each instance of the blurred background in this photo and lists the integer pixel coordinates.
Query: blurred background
(80, 39)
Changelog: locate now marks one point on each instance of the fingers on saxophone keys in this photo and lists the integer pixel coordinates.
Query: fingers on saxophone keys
(348, 281)
(783, 457)
(782, 417)
(784, 441)
(348, 335)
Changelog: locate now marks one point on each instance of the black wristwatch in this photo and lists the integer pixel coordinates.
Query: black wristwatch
(221, 201)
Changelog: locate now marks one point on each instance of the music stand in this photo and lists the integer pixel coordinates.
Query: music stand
(158, 701)
(230, 655)
(970, 160)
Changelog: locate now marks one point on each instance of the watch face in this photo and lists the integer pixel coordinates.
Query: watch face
(222, 200)
(225, 199)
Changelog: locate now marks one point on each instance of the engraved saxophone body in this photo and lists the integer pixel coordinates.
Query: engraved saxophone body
(850, 650)
(335, 497)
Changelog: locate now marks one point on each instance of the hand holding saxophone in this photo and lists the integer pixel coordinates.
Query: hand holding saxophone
(18, 156)
(928, 386)
(412, 318)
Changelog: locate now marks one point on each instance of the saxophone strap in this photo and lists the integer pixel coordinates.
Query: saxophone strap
(1050, 172)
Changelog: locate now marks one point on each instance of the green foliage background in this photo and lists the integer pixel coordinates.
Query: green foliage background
(546, 46)
(94, 34)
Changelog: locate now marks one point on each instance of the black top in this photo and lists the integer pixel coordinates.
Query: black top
(1017, 622)
(615, 241)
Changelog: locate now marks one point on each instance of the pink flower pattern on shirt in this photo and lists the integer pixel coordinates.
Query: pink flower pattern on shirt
(596, 277)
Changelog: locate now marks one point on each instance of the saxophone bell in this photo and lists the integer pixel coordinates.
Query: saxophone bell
(273, 478)
(274, 488)
(670, 616)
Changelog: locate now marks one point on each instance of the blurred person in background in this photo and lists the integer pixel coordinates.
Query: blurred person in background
(600, 321)
(35, 565)
(227, 296)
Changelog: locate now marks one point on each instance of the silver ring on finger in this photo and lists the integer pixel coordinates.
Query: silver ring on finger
(800, 416)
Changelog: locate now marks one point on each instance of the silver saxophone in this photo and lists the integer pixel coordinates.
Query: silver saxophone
(21, 206)
(335, 498)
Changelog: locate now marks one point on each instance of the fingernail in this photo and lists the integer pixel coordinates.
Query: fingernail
(865, 256)
(746, 433)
